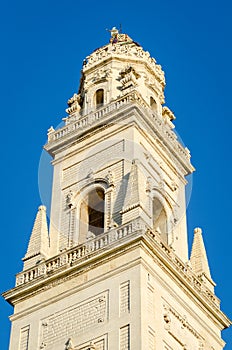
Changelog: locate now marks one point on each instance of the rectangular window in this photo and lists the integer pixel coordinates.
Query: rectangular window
(124, 297)
(24, 338)
(125, 338)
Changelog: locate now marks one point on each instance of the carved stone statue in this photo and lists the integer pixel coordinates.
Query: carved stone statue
(113, 31)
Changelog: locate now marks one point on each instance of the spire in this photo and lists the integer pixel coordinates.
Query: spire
(39, 241)
(199, 260)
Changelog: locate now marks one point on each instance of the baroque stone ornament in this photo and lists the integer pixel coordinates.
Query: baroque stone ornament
(74, 104)
(110, 178)
(128, 77)
(69, 199)
(101, 75)
(149, 184)
(166, 112)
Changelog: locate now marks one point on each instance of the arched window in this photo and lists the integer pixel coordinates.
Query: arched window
(160, 219)
(99, 98)
(153, 104)
(92, 214)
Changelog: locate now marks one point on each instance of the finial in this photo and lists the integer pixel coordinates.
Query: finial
(198, 230)
(42, 207)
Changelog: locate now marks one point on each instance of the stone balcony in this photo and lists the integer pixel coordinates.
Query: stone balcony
(106, 243)
(76, 126)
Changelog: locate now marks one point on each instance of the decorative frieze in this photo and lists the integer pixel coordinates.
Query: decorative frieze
(130, 50)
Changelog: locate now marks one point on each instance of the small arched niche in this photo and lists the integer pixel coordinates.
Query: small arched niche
(99, 98)
(92, 214)
(153, 104)
(160, 219)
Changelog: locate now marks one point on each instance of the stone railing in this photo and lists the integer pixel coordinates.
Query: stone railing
(136, 227)
(91, 119)
(73, 255)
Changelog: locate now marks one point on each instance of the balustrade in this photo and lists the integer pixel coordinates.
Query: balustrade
(74, 255)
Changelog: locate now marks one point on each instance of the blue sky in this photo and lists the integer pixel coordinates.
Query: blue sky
(43, 44)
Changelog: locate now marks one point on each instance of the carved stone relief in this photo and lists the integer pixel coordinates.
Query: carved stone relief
(74, 104)
(128, 77)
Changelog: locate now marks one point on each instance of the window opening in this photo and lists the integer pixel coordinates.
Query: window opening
(99, 98)
(160, 219)
(92, 214)
(153, 104)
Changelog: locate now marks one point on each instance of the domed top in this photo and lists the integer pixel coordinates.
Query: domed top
(115, 70)
(122, 46)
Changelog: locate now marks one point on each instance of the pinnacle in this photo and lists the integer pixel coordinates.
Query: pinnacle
(198, 259)
(39, 240)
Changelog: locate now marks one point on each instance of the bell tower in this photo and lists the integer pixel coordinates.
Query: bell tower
(112, 271)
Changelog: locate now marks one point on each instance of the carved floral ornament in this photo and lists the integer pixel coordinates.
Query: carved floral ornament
(101, 75)
(126, 48)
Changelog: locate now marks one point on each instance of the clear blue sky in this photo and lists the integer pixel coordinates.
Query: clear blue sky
(43, 44)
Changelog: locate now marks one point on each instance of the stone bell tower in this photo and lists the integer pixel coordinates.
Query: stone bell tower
(112, 271)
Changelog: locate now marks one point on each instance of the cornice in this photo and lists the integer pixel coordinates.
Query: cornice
(131, 236)
(110, 115)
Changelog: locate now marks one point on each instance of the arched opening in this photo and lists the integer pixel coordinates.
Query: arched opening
(99, 98)
(160, 219)
(92, 214)
(153, 104)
